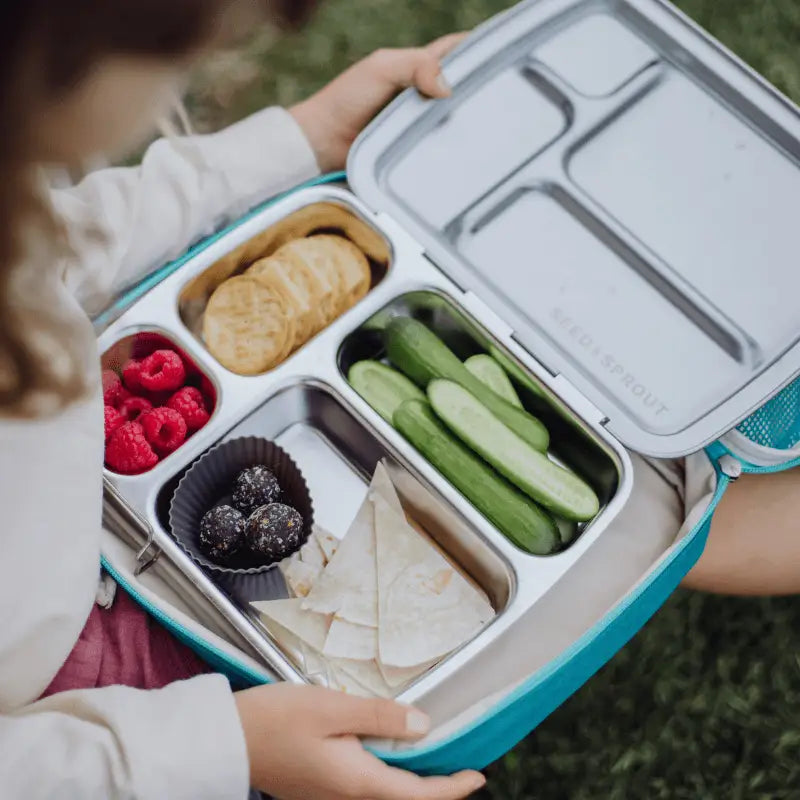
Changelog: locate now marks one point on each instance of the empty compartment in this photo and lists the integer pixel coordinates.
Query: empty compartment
(312, 298)
(716, 200)
(131, 400)
(606, 310)
(596, 55)
(461, 155)
(337, 455)
(572, 442)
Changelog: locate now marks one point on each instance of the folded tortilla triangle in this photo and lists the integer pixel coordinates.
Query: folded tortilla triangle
(366, 674)
(343, 681)
(382, 486)
(395, 677)
(347, 640)
(307, 626)
(426, 608)
(348, 586)
(314, 663)
(300, 576)
(327, 542)
(311, 552)
(292, 645)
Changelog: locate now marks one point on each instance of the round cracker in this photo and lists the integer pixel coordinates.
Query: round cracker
(319, 292)
(246, 326)
(292, 318)
(275, 272)
(353, 268)
(329, 215)
(317, 255)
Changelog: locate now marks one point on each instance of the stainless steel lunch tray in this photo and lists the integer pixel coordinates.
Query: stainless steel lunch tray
(548, 83)
(308, 407)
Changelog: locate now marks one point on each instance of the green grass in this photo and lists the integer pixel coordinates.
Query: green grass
(766, 33)
(705, 702)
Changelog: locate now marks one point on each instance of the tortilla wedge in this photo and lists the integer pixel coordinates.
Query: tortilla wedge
(426, 608)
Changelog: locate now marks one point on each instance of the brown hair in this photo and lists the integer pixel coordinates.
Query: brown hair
(46, 48)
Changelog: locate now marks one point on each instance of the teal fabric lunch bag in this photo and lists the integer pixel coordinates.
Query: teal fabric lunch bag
(590, 206)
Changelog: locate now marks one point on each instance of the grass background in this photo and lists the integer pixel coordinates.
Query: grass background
(705, 702)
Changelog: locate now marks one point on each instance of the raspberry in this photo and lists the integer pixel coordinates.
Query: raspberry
(128, 451)
(113, 390)
(130, 375)
(191, 405)
(161, 371)
(112, 419)
(157, 399)
(164, 428)
(133, 407)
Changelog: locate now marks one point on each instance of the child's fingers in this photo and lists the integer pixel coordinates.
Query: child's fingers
(429, 78)
(344, 714)
(439, 48)
(399, 69)
(418, 67)
(390, 783)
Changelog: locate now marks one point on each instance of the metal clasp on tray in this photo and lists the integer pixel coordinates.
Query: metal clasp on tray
(148, 553)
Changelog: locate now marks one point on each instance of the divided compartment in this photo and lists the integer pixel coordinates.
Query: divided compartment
(464, 150)
(713, 197)
(573, 443)
(574, 54)
(605, 307)
(509, 112)
(139, 345)
(323, 217)
(337, 453)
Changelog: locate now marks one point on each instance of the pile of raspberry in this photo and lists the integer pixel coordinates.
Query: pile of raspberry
(150, 411)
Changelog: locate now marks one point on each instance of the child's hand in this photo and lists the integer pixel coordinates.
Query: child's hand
(334, 116)
(301, 742)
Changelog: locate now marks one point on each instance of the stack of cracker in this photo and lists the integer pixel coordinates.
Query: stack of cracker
(255, 320)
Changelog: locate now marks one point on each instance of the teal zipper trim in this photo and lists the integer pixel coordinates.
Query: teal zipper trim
(752, 469)
(137, 291)
(201, 646)
(718, 449)
(567, 655)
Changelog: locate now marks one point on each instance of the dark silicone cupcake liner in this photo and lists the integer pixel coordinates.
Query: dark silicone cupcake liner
(208, 483)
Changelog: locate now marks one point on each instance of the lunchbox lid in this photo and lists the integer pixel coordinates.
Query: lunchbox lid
(622, 192)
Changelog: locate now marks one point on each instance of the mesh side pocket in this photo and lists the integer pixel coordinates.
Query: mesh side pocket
(777, 423)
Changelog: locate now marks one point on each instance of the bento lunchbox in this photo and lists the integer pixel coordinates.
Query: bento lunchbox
(606, 205)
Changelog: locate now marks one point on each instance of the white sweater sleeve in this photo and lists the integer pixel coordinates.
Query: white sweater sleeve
(184, 742)
(123, 743)
(125, 222)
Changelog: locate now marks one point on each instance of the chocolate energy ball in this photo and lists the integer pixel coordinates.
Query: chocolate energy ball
(274, 531)
(255, 487)
(222, 532)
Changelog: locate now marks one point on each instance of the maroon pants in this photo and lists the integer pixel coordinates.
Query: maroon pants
(125, 645)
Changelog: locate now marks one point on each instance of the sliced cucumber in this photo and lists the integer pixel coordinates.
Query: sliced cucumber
(420, 354)
(557, 489)
(519, 519)
(567, 530)
(382, 387)
(490, 373)
(516, 372)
